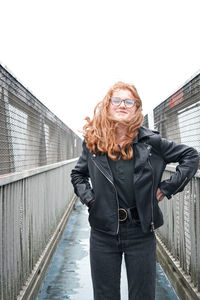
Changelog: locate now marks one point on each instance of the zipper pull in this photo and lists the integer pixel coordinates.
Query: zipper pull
(152, 227)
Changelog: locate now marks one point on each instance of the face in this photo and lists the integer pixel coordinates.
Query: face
(122, 112)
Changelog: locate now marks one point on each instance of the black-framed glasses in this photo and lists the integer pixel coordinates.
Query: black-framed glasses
(127, 102)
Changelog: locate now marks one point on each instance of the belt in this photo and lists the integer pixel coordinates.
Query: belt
(129, 213)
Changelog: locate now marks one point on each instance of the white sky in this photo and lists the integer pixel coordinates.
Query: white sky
(68, 53)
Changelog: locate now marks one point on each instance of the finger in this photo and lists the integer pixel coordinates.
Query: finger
(161, 196)
(158, 194)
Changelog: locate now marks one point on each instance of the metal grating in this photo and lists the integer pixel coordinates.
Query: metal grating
(178, 117)
(30, 134)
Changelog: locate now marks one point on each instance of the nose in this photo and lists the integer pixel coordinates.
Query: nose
(122, 103)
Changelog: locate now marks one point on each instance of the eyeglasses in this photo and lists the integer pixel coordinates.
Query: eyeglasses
(127, 102)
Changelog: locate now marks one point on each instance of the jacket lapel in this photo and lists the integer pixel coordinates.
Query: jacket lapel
(102, 162)
(141, 154)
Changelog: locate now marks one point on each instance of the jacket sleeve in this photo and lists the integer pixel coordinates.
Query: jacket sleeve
(188, 160)
(80, 178)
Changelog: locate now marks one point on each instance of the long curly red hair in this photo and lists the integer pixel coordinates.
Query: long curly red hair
(100, 132)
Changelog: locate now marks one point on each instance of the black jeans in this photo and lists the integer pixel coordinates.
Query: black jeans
(139, 251)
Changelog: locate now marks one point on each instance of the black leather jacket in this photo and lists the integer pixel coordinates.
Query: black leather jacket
(151, 154)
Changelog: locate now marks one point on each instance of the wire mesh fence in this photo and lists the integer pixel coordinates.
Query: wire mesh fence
(30, 134)
(178, 117)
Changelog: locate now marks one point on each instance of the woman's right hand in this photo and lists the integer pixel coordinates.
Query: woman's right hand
(159, 195)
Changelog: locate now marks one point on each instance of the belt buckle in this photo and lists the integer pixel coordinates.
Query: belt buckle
(124, 211)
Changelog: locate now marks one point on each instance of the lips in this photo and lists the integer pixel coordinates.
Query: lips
(122, 111)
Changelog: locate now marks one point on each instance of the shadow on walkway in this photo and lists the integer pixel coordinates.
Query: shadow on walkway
(68, 276)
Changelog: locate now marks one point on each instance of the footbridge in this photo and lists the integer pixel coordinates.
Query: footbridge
(44, 232)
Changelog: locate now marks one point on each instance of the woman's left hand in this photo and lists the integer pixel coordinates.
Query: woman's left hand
(159, 195)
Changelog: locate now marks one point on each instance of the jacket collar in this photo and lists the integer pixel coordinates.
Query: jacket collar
(141, 153)
(145, 132)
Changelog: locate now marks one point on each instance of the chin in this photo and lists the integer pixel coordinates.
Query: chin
(121, 118)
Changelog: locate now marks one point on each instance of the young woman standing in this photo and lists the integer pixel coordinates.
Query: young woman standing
(125, 162)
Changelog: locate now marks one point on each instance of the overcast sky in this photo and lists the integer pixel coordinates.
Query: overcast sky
(68, 53)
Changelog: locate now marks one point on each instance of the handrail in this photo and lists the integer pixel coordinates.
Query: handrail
(12, 177)
(172, 168)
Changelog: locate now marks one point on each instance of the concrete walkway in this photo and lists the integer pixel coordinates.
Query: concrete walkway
(68, 276)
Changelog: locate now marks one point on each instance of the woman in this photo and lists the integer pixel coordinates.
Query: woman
(125, 162)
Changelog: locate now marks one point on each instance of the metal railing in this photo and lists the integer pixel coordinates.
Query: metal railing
(32, 203)
(181, 230)
(178, 119)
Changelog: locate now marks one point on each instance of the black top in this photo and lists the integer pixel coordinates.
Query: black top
(122, 171)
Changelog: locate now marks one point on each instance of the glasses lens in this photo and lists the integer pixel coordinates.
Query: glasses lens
(115, 101)
(129, 102)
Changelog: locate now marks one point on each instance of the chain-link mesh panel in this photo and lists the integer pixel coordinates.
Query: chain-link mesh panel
(178, 117)
(30, 134)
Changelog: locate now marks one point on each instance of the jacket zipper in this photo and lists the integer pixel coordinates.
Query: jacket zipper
(152, 189)
(115, 192)
(180, 185)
